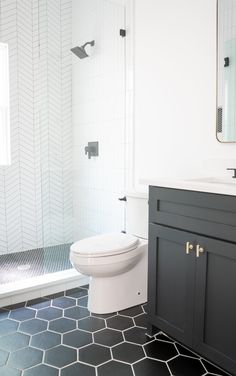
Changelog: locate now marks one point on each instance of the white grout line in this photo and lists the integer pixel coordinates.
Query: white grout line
(132, 368)
(155, 338)
(169, 369)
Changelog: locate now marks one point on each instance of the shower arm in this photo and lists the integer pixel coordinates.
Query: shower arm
(91, 44)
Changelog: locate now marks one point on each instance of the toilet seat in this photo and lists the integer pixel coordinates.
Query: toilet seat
(105, 245)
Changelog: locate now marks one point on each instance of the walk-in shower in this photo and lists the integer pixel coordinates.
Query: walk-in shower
(36, 200)
(52, 194)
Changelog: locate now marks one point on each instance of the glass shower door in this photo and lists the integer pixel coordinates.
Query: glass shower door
(55, 35)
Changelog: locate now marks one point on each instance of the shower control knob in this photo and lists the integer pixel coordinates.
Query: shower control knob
(122, 33)
(234, 171)
(122, 198)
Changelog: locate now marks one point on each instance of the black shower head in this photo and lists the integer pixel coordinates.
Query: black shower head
(80, 51)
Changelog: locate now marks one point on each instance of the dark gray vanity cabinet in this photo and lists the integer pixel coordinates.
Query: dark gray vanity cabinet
(192, 292)
(171, 282)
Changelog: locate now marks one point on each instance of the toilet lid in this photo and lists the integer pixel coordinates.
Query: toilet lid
(105, 245)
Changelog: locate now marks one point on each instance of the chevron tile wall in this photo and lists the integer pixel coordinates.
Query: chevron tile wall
(36, 190)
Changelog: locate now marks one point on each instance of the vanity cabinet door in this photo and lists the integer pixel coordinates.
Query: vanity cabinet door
(215, 303)
(171, 282)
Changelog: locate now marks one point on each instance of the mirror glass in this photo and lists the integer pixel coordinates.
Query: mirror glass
(226, 98)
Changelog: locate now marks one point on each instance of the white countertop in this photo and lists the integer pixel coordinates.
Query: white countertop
(225, 186)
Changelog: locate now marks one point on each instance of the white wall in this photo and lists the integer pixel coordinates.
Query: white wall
(98, 115)
(175, 90)
(174, 103)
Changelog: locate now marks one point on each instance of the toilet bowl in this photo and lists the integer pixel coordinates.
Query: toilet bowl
(118, 273)
(116, 262)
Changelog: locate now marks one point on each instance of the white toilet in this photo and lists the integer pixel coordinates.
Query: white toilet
(116, 262)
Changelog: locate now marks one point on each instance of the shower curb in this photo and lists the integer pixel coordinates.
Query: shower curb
(37, 287)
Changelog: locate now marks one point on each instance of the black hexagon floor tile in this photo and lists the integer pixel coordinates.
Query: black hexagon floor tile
(15, 341)
(184, 366)
(38, 303)
(128, 352)
(144, 307)
(184, 351)
(120, 322)
(91, 324)
(77, 338)
(45, 340)
(64, 302)
(103, 316)
(62, 325)
(163, 337)
(55, 295)
(211, 368)
(22, 314)
(115, 368)
(78, 369)
(25, 358)
(3, 314)
(76, 293)
(8, 326)
(41, 370)
(141, 320)
(24, 339)
(60, 356)
(33, 326)
(217, 374)
(85, 287)
(132, 312)
(108, 337)
(49, 313)
(137, 335)
(76, 313)
(15, 306)
(83, 302)
(94, 354)
(8, 371)
(160, 350)
(150, 367)
(3, 357)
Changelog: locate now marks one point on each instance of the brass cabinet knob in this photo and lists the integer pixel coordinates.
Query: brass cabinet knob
(188, 247)
(199, 250)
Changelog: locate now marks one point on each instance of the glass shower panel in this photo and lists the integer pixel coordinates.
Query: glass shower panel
(20, 182)
(55, 36)
(98, 115)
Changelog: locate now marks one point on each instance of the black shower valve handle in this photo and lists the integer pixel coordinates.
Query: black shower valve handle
(234, 170)
(123, 198)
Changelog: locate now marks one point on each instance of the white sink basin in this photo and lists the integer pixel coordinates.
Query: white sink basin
(215, 180)
(221, 185)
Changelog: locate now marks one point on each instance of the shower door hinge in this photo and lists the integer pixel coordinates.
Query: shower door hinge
(227, 61)
(122, 33)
